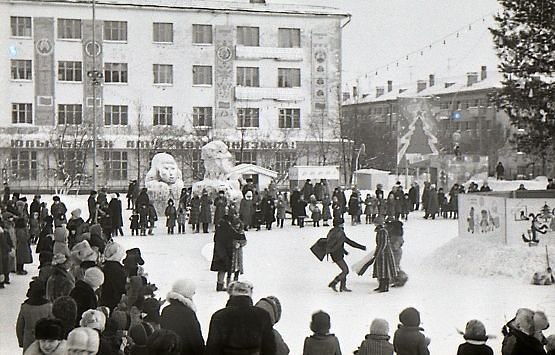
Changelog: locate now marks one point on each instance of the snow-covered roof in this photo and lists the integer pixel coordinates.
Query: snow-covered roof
(252, 169)
(371, 171)
(213, 5)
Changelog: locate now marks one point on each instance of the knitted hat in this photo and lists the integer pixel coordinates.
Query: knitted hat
(49, 329)
(83, 338)
(410, 317)
(83, 251)
(93, 319)
(240, 288)
(65, 309)
(151, 307)
(94, 277)
(379, 327)
(36, 290)
(61, 234)
(76, 213)
(320, 323)
(475, 330)
(121, 318)
(58, 259)
(271, 305)
(540, 321)
(114, 252)
(45, 258)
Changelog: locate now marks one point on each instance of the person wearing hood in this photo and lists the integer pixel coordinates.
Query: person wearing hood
(377, 341)
(475, 336)
(253, 336)
(35, 307)
(49, 335)
(60, 241)
(272, 305)
(84, 291)
(408, 338)
(61, 282)
(335, 247)
(180, 317)
(519, 336)
(322, 342)
(75, 226)
(114, 276)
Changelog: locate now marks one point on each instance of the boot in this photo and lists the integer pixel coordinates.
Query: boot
(384, 285)
(220, 287)
(333, 283)
(343, 286)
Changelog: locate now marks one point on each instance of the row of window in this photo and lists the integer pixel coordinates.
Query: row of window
(117, 115)
(162, 73)
(24, 162)
(162, 32)
(464, 104)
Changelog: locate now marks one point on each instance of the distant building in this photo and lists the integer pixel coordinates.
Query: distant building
(172, 75)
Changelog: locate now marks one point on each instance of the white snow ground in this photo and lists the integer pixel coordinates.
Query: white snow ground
(280, 263)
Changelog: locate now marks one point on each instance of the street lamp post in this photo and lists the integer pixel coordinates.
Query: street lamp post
(94, 84)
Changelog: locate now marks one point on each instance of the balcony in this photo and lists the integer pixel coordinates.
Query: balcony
(278, 94)
(277, 53)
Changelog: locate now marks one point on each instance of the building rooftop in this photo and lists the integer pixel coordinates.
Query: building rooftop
(209, 5)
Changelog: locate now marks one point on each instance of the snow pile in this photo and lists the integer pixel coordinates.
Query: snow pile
(480, 258)
(539, 183)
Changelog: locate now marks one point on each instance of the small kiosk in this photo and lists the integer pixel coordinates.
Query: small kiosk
(299, 174)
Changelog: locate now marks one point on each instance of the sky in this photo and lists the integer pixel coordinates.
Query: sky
(382, 31)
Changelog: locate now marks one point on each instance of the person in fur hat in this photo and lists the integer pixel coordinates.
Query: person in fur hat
(139, 334)
(84, 291)
(64, 308)
(61, 282)
(49, 335)
(58, 211)
(61, 242)
(132, 261)
(254, 336)
(114, 276)
(83, 341)
(180, 316)
(75, 226)
(321, 342)
(272, 305)
(97, 239)
(385, 268)
(519, 335)
(45, 266)
(163, 342)
(335, 247)
(84, 257)
(377, 342)
(224, 243)
(475, 336)
(23, 246)
(46, 237)
(408, 338)
(35, 307)
(93, 319)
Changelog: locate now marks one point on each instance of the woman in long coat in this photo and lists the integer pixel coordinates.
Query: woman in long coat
(171, 216)
(433, 203)
(246, 211)
(384, 263)
(23, 249)
(205, 216)
(268, 210)
(223, 249)
(195, 213)
(220, 204)
(115, 210)
(326, 212)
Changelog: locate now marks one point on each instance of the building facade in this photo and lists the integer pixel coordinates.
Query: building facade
(164, 76)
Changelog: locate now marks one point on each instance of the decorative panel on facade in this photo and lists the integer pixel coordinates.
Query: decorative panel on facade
(283, 54)
(278, 94)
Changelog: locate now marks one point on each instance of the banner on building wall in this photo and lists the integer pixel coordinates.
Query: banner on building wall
(92, 50)
(417, 128)
(320, 57)
(482, 216)
(224, 116)
(44, 73)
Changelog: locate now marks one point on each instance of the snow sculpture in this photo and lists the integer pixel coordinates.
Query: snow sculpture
(218, 163)
(164, 180)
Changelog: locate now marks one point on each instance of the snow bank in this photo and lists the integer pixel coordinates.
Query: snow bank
(480, 258)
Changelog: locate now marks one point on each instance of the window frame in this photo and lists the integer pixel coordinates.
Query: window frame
(162, 112)
(62, 23)
(28, 69)
(287, 41)
(19, 26)
(116, 164)
(203, 74)
(28, 164)
(159, 32)
(27, 113)
(120, 112)
(196, 34)
(200, 114)
(74, 70)
(122, 72)
(112, 30)
(246, 38)
(159, 74)
(250, 115)
(287, 115)
(248, 77)
(288, 77)
(76, 114)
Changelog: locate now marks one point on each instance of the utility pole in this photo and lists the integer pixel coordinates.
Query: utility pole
(95, 77)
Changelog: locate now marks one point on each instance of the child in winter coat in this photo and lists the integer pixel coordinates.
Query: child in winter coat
(377, 342)
(316, 212)
(143, 218)
(408, 339)
(34, 227)
(475, 336)
(134, 225)
(171, 215)
(60, 241)
(272, 305)
(280, 210)
(181, 220)
(321, 342)
(368, 208)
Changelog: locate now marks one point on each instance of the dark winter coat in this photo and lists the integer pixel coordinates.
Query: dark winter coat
(335, 245)
(22, 248)
(115, 210)
(85, 298)
(454, 200)
(414, 193)
(246, 212)
(321, 345)
(375, 344)
(326, 212)
(194, 215)
(35, 207)
(299, 209)
(114, 284)
(318, 191)
(59, 284)
(516, 342)
(268, 209)
(205, 213)
(143, 199)
(240, 329)
(426, 197)
(58, 211)
(474, 349)
(433, 202)
(152, 216)
(410, 341)
(354, 205)
(91, 204)
(307, 190)
(5, 247)
(220, 203)
(134, 222)
(223, 246)
(75, 226)
(171, 216)
(143, 216)
(181, 318)
(29, 314)
(280, 209)
(384, 264)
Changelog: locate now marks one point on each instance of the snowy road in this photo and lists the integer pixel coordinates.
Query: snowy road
(279, 263)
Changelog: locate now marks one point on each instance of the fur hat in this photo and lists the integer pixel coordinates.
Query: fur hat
(65, 309)
(56, 198)
(320, 323)
(379, 327)
(183, 291)
(45, 258)
(58, 259)
(524, 320)
(240, 288)
(140, 333)
(36, 289)
(83, 251)
(134, 254)
(83, 338)
(410, 317)
(475, 330)
(61, 234)
(49, 329)
(121, 318)
(540, 321)
(93, 319)
(550, 343)
(151, 307)
(114, 252)
(94, 277)
(271, 305)
(76, 213)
